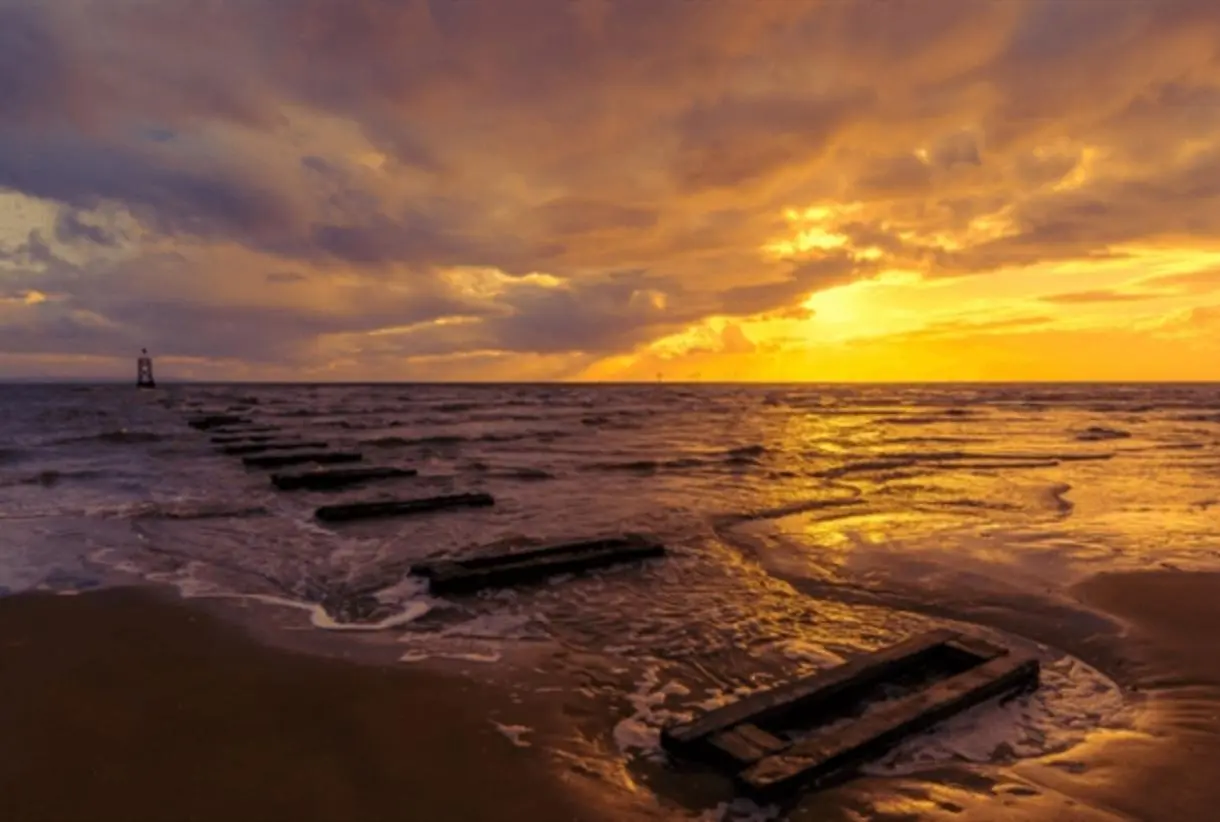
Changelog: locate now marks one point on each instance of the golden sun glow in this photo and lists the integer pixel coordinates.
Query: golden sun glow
(729, 190)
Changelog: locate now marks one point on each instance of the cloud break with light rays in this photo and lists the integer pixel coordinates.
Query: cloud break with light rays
(611, 189)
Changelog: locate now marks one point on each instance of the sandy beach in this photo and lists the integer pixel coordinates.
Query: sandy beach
(1165, 768)
(128, 705)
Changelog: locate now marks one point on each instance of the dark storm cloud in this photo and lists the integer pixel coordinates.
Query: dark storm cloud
(286, 277)
(164, 302)
(70, 228)
(32, 63)
(579, 139)
(81, 173)
(33, 251)
(576, 215)
(904, 175)
(738, 141)
(810, 276)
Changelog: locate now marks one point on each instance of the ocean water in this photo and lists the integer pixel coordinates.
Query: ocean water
(805, 524)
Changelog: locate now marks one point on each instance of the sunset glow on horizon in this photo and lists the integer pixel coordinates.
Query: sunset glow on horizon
(761, 190)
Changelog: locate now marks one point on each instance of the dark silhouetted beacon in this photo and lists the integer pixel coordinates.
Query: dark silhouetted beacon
(144, 377)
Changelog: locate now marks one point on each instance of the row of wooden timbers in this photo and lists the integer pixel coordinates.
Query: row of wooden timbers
(812, 732)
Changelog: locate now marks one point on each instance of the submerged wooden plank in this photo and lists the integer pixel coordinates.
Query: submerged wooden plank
(523, 568)
(258, 448)
(515, 556)
(835, 751)
(319, 457)
(397, 508)
(337, 478)
(211, 421)
(805, 694)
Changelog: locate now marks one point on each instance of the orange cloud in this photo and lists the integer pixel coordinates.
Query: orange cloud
(289, 188)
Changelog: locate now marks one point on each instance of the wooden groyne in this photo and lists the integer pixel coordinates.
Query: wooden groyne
(211, 421)
(848, 715)
(337, 478)
(505, 568)
(245, 439)
(398, 508)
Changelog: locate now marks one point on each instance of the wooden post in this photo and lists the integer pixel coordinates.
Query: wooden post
(144, 375)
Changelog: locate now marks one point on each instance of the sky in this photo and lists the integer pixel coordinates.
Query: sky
(774, 190)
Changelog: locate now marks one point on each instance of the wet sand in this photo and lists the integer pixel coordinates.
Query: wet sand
(1166, 768)
(126, 704)
(1163, 769)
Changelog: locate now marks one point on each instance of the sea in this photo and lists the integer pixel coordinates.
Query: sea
(806, 524)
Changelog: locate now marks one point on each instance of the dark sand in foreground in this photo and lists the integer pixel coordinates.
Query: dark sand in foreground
(126, 705)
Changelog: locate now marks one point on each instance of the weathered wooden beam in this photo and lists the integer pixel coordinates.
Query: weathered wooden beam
(512, 556)
(258, 448)
(318, 457)
(211, 421)
(808, 694)
(503, 569)
(398, 508)
(745, 744)
(835, 752)
(337, 478)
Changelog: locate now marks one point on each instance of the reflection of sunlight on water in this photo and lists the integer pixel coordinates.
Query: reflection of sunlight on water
(808, 524)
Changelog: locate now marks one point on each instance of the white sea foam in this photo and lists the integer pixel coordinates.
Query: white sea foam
(421, 654)
(514, 733)
(642, 730)
(1072, 701)
(319, 618)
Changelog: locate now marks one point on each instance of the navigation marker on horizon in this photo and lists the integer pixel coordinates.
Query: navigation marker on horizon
(144, 375)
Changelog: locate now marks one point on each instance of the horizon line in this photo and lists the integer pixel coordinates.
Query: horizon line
(96, 381)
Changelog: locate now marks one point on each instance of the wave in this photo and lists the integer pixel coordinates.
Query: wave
(638, 466)
(931, 440)
(10, 455)
(780, 511)
(1011, 466)
(747, 452)
(620, 421)
(183, 511)
(960, 459)
(525, 472)
(500, 417)
(732, 458)
(51, 478)
(1057, 496)
(522, 473)
(407, 442)
(950, 415)
(458, 439)
(1198, 418)
(546, 434)
(1097, 433)
(120, 436)
(866, 466)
